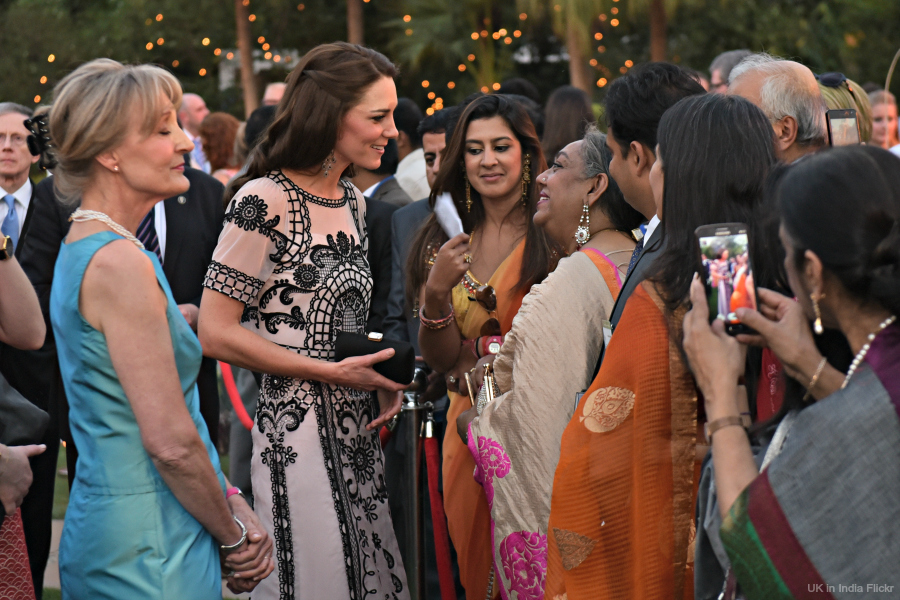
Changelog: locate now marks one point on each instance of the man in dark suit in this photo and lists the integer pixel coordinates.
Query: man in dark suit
(187, 229)
(405, 224)
(634, 105)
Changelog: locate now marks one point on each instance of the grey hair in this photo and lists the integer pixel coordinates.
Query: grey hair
(595, 153)
(727, 61)
(11, 107)
(783, 94)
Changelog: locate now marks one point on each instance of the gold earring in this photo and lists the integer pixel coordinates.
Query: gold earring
(468, 196)
(526, 179)
(817, 326)
(583, 231)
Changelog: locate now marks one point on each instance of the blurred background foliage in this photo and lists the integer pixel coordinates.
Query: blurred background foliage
(432, 40)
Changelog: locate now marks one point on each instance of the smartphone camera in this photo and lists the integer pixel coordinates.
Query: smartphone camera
(728, 273)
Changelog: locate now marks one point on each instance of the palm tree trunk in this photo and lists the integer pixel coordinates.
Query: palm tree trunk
(658, 43)
(578, 73)
(244, 43)
(355, 22)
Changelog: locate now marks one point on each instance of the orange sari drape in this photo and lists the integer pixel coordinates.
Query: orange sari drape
(468, 515)
(621, 517)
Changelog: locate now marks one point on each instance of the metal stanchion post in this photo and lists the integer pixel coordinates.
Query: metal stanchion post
(412, 422)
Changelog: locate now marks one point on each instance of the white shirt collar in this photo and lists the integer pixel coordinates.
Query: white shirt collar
(651, 227)
(22, 195)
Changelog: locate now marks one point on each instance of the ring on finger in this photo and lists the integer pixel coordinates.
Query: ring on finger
(467, 257)
(451, 379)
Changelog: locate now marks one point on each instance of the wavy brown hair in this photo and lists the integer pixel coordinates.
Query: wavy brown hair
(217, 133)
(537, 261)
(327, 82)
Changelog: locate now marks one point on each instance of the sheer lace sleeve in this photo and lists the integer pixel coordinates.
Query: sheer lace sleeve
(252, 241)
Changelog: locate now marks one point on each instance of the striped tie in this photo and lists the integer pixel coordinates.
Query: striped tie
(147, 234)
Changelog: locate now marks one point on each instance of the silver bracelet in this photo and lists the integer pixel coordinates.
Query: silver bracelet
(233, 547)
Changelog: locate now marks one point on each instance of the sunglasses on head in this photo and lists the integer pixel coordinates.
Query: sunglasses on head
(832, 80)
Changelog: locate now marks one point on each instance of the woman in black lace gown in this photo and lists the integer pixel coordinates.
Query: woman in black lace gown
(289, 272)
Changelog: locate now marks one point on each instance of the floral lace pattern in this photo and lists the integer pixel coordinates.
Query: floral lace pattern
(523, 555)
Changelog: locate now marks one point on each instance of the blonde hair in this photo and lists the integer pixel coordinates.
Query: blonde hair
(92, 112)
(850, 95)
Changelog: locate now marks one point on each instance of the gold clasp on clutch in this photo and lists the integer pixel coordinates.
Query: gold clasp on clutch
(376, 337)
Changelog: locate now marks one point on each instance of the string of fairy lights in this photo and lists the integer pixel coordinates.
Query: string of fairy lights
(501, 35)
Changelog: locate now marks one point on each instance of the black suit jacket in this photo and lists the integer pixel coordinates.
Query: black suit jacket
(405, 224)
(192, 231)
(378, 225)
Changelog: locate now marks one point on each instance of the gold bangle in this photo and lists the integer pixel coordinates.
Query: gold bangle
(815, 379)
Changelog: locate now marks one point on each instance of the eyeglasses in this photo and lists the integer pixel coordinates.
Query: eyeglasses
(15, 139)
(486, 297)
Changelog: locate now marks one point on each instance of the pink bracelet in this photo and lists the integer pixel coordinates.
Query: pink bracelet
(232, 491)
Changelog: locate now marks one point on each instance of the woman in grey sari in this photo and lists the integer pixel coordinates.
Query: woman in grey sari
(820, 517)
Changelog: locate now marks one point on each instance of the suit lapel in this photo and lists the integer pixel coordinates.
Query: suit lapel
(18, 250)
(175, 223)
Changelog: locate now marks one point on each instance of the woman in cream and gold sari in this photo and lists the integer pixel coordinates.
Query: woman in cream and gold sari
(550, 355)
(469, 288)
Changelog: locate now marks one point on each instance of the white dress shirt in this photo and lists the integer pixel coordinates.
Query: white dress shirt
(23, 199)
(651, 227)
(159, 221)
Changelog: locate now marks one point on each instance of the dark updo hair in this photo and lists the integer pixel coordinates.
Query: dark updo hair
(716, 153)
(844, 205)
(327, 82)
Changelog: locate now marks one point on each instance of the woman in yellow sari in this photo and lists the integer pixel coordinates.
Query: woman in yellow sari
(469, 288)
(621, 515)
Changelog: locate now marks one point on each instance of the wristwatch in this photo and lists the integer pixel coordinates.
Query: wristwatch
(7, 249)
(710, 428)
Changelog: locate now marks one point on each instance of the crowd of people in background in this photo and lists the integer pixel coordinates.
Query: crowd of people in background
(603, 434)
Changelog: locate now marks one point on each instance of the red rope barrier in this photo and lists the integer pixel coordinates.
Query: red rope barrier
(441, 540)
(384, 434)
(234, 396)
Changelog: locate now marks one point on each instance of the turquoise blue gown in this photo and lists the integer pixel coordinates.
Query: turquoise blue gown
(125, 536)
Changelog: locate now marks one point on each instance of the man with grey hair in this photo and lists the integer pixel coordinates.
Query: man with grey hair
(787, 92)
(721, 67)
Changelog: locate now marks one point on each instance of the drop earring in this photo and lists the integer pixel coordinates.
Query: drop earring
(526, 179)
(583, 231)
(329, 162)
(468, 195)
(817, 326)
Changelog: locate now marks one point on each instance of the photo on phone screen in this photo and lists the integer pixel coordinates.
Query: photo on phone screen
(725, 251)
(843, 127)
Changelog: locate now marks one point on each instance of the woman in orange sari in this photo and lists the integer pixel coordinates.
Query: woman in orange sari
(470, 287)
(621, 516)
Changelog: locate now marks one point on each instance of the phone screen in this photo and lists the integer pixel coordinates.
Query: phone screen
(729, 277)
(844, 131)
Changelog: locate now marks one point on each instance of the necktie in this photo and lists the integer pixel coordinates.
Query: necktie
(634, 257)
(147, 234)
(10, 225)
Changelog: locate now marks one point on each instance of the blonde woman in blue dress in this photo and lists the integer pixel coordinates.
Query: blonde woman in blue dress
(148, 515)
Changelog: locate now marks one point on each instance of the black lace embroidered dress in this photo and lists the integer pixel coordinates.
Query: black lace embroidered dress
(298, 263)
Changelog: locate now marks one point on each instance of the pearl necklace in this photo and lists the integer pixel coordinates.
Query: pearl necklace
(79, 216)
(857, 360)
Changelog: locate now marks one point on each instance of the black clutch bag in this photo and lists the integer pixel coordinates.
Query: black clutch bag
(399, 368)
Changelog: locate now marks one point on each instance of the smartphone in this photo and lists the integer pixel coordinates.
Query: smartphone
(843, 127)
(725, 252)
